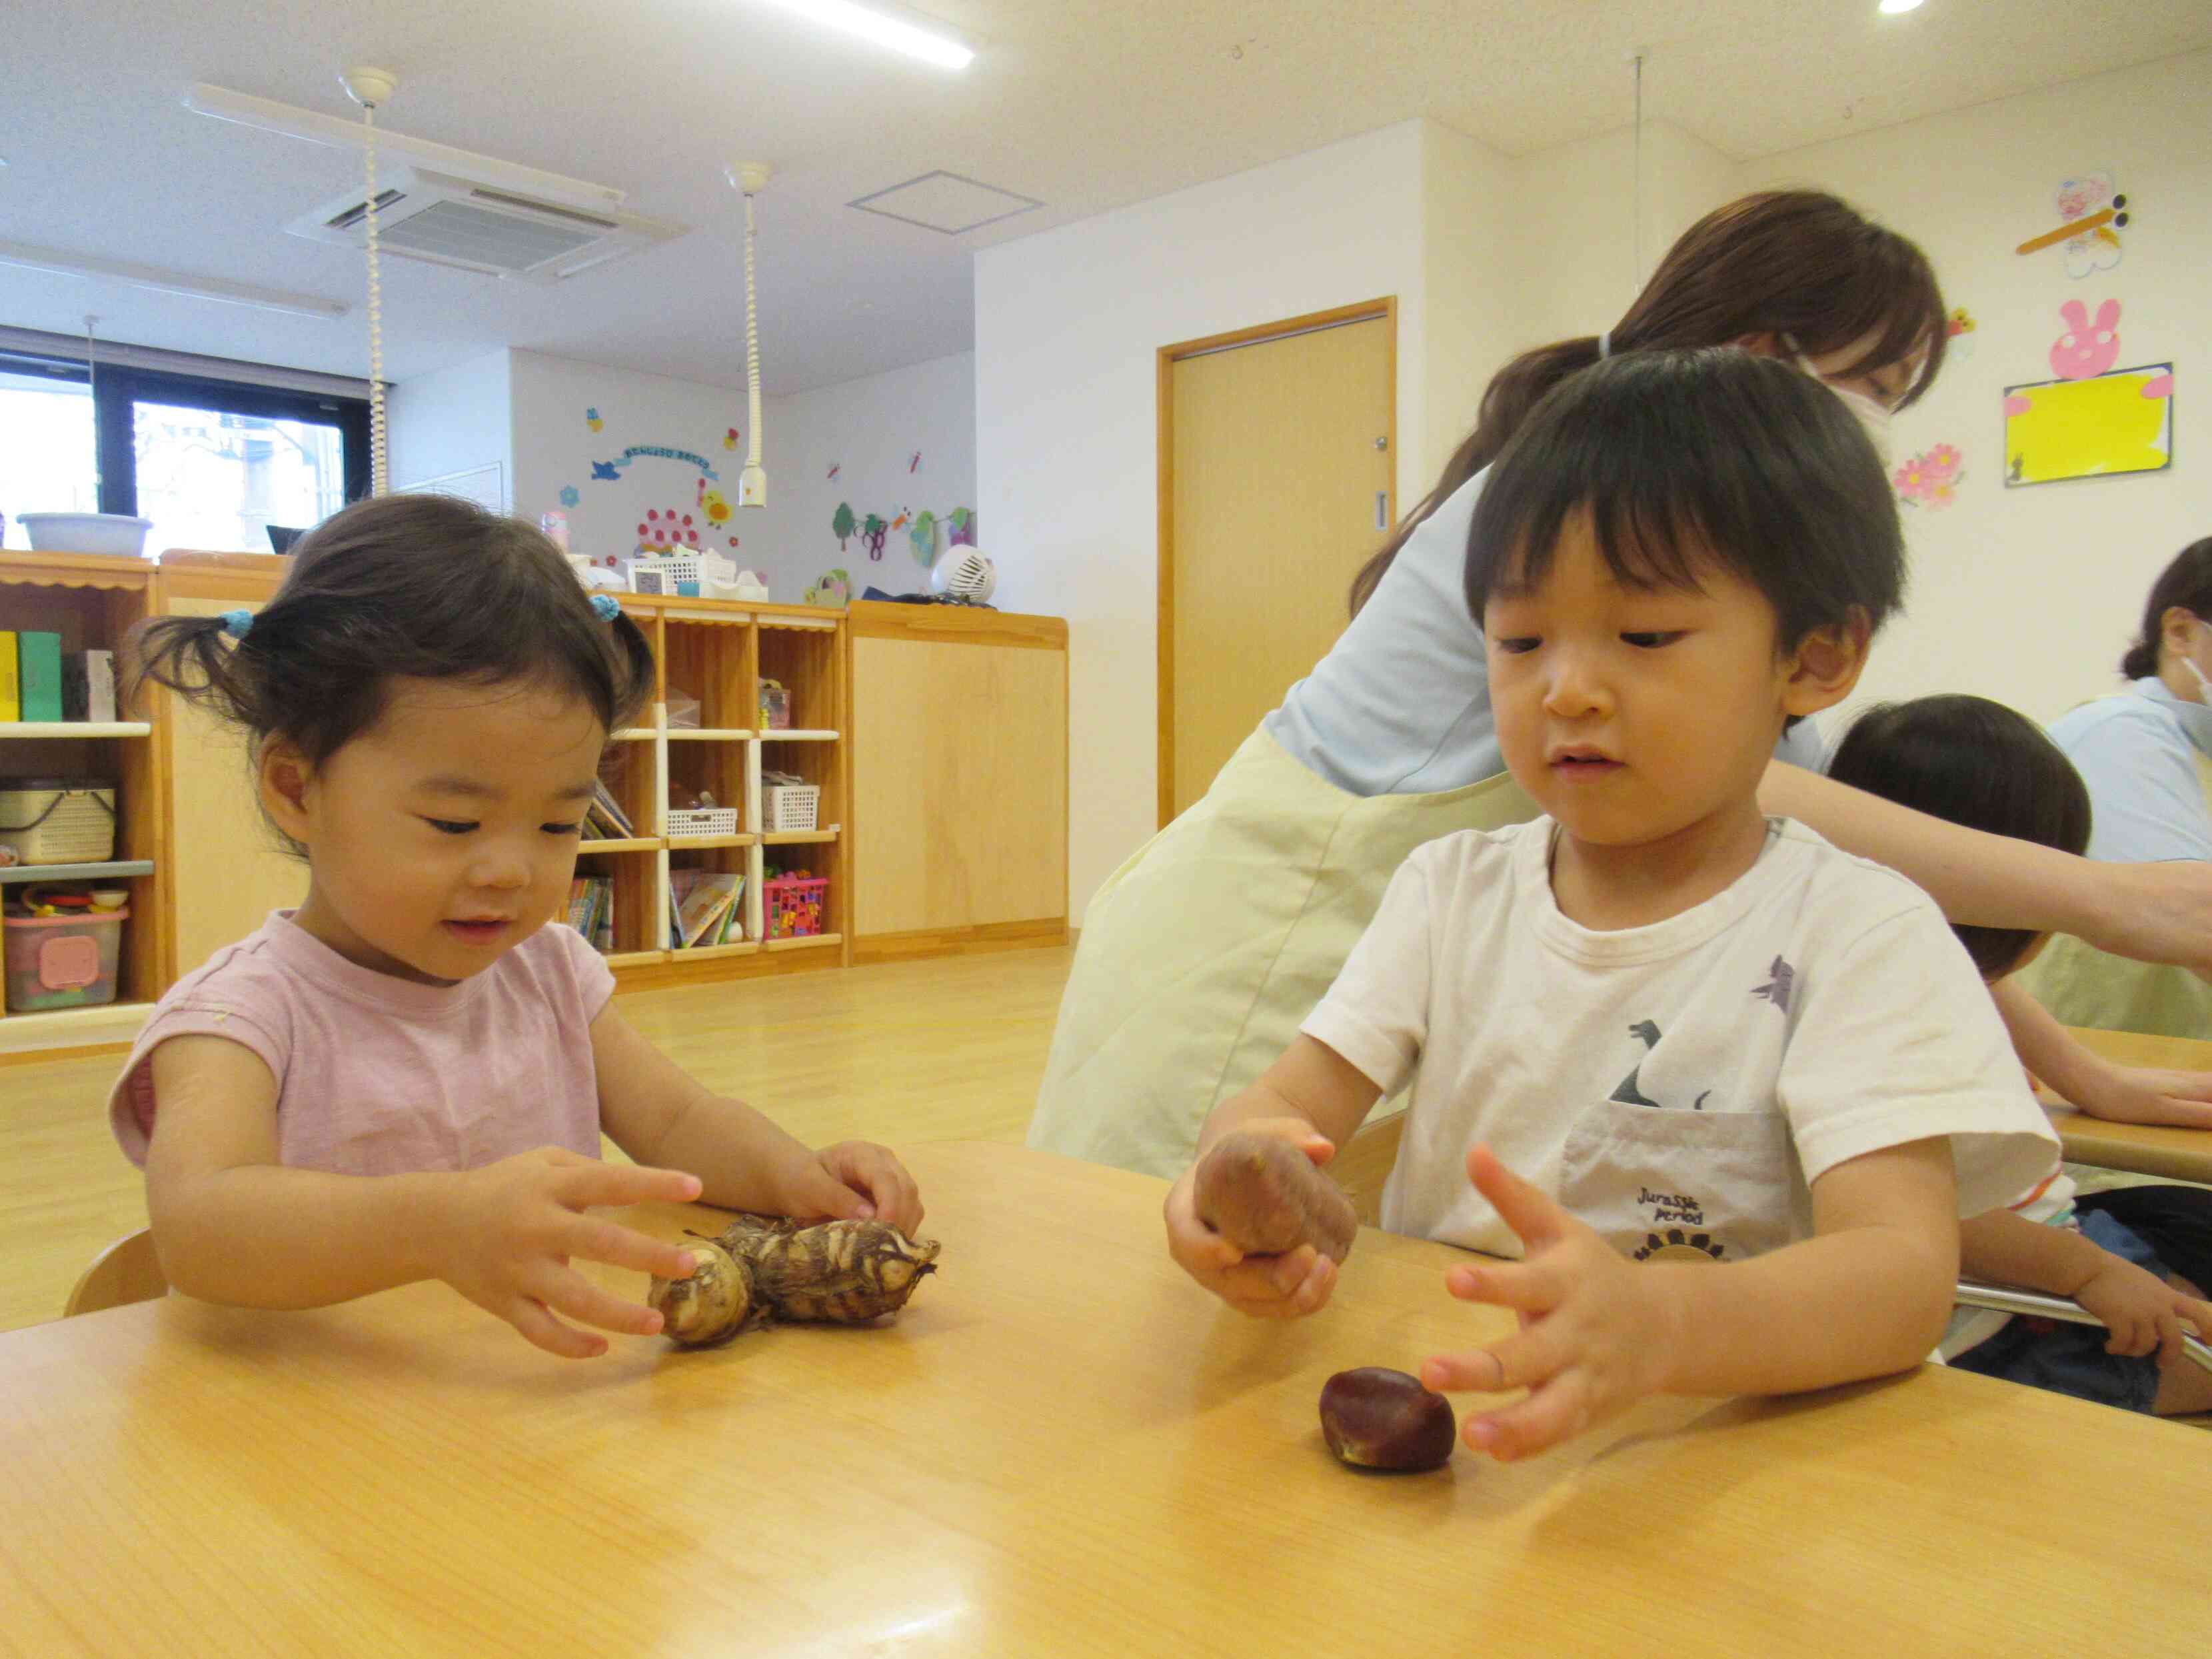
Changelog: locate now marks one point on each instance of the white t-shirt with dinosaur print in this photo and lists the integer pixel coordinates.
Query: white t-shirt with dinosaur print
(1677, 1086)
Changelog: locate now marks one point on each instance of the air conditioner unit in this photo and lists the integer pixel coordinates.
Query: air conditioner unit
(451, 221)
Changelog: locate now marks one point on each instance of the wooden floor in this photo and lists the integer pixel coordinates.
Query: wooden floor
(949, 1049)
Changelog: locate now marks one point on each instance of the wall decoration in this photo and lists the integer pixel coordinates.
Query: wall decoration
(570, 494)
(713, 504)
(961, 532)
(592, 420)
(842, 523)
(2084, 352)
(872, 531)
(835, 469)
(613, 469)
(2117, 422)
(1931, 479)
(916, 462)
(922, 536)
(729, 438)
(1958, 330)
(2092, 213)
(831, 588)
(666, 532)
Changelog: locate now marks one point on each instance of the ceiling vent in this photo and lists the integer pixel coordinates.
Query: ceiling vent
(451, 221)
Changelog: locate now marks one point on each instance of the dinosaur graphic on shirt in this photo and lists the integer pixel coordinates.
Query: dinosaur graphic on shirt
(1628, 1094)
(1779, 979)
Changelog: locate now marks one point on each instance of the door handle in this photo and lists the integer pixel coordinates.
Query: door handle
(1381, 509)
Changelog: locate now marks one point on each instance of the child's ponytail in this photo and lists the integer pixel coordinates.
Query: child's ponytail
(201, 660)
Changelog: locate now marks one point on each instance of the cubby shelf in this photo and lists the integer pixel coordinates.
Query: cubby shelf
(115, 869)
(639, 844)
(75, 729)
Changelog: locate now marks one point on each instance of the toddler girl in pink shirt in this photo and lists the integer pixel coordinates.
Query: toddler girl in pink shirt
(407, 1077)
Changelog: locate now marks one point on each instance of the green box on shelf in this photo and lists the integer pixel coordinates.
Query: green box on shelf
(40, 667)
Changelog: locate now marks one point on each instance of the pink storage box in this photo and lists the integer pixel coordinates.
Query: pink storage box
(62, 961)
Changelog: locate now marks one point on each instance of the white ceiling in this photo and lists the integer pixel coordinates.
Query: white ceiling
(1087, 105)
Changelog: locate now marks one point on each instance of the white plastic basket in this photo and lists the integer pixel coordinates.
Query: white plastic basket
(790, 806)
(702, 821)
(57, 821)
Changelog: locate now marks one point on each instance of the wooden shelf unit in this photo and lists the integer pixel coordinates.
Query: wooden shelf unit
(92, 602)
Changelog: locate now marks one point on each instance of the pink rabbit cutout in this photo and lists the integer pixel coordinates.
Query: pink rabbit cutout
(2084, 352)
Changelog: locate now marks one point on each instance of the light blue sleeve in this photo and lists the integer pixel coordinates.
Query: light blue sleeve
(1401, 705)
(2145, 804)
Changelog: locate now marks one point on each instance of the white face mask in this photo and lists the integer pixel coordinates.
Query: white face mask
(1870, 412)
(2204, 685)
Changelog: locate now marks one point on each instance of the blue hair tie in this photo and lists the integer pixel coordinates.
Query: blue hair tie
(605, 607)
(238, 623)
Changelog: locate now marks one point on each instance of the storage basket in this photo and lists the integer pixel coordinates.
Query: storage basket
(795, 904)
(702, 821)
(57, 820)
(62, 961)
(790, 806)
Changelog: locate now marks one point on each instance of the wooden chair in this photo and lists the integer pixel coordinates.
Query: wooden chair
(1363, 1163)
(126, 1271)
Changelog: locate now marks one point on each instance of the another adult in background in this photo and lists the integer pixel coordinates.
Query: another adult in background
(1202, 953)
(2146, 754)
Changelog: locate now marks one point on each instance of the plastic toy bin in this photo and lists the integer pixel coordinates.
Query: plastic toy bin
(62, 961)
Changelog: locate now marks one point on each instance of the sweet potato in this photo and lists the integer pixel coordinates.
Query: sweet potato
(765, 1268)
(1267, 1198)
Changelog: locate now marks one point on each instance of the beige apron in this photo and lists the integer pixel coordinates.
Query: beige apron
(1202, 955)
(2084, 986)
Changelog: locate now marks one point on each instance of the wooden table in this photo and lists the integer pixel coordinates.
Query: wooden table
(1062, 1447)
(2146, 1148)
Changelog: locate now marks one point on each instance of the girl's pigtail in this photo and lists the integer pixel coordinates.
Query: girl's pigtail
(634, 690)
(203, 661)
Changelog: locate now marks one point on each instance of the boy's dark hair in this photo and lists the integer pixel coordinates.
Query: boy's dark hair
(1973, 761)
(1682, 457)
(427, 586)
(2186, 582)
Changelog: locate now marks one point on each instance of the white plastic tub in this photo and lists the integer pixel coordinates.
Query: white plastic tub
(85, 532)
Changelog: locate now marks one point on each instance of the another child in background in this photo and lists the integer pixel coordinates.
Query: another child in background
(1980, 763)
(1752, 1082)
(407, 1077)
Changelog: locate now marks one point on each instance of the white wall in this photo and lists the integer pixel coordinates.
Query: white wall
(454, 422)
(1067, 324)
(2030, 595)
(870, 430)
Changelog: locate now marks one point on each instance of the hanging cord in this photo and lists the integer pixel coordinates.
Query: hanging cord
(754, 479)
(1635, 206)
(378, 476)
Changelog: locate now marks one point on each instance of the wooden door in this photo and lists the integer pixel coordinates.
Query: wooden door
(1277, 461)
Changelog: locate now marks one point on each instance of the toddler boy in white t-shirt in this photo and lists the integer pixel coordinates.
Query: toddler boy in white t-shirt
(1726, 1089)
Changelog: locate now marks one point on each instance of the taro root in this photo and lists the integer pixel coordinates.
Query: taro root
(1377, 1419)
(765, 1268)
(1265, 1197)
(713, 1305)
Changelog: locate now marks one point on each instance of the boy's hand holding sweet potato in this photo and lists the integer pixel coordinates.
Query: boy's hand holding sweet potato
(1256, 1223)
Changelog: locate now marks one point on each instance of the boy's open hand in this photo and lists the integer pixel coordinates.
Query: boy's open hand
(852, 1181)
(512, 1227)
(1595, 1329)
(2143, 1311)
(1266, 1286)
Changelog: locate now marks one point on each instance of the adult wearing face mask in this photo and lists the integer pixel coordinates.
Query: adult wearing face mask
(1202, 953)
(2146, 754)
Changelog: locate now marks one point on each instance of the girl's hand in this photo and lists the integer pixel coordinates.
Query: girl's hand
(512, 1227)
(2143, 1311)
(1596, 1331)
(2143, 1094)
(852, 1181)
(1265, 1286)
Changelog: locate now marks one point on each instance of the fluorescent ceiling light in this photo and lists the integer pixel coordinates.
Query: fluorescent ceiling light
(935, 45)
(1892, 7)
(168, 281)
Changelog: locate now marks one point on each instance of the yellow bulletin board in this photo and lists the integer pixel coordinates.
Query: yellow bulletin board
(2122, 422)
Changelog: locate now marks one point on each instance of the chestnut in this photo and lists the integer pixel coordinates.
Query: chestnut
(1375, 1418)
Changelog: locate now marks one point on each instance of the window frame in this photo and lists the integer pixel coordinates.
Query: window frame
(116, 389)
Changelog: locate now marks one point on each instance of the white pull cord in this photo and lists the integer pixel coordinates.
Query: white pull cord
(379, 481)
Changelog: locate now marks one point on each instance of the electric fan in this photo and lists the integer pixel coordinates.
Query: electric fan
(964, 574)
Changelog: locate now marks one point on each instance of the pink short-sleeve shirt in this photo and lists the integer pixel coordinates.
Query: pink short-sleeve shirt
(381, 1076)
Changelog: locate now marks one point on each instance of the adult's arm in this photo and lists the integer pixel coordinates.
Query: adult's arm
(2153, 912)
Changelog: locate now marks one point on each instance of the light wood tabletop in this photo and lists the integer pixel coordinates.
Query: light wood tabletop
(2152, 1149)
(1061, 1447)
